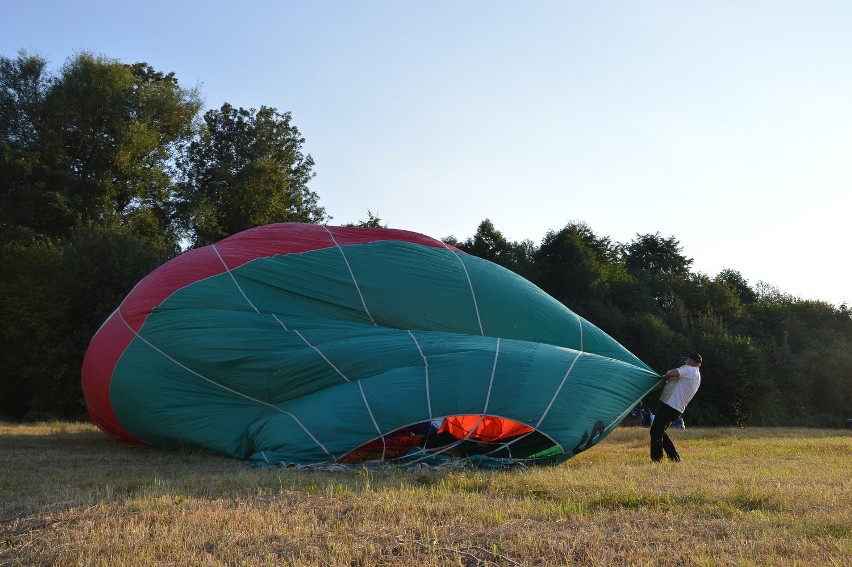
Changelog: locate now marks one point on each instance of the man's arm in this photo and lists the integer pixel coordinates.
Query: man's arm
(673, 373)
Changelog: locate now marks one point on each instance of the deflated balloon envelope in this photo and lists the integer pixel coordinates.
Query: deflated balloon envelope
(302, 343)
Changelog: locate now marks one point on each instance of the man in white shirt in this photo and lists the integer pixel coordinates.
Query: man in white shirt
(681, 385)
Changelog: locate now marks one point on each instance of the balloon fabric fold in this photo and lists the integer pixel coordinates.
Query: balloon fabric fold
(312, 344)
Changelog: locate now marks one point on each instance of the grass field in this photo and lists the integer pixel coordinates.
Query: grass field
(71, 496)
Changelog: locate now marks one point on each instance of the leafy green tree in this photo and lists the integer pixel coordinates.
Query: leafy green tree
(490, 244)
(704, 296)
(90, 160)
(94, 144)
(373, 221)
(33, 326)
(822, 368)
(88, 150)
(653, 254)
(658, 264)
(740, 285)
(576, 266)
(23, 84)
(736, 381)
(54, 298)
(809, 343)
(246, 168)
(26, 206)
(654, 342)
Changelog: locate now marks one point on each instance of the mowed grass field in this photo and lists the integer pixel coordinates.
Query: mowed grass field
(71, 496)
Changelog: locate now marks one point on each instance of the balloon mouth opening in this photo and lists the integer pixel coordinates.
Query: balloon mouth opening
(484, 438)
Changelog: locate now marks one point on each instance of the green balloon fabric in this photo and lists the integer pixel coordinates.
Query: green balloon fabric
(299, 343)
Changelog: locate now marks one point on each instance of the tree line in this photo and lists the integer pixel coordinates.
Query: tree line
(769, 358)
(109, 169)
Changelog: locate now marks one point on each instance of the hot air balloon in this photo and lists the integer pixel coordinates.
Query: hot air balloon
(311, 344)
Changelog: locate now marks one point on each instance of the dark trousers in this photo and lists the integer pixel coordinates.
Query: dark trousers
(659, 438)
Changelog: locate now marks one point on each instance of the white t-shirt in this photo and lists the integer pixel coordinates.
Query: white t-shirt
(679, 391)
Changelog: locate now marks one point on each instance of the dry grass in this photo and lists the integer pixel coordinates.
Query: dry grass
(71, 496)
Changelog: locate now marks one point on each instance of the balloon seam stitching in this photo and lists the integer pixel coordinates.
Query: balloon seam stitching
(546, 410)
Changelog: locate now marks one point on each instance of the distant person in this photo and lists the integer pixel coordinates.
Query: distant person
(681, 385)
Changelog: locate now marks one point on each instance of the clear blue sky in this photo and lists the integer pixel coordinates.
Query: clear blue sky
(727, 124)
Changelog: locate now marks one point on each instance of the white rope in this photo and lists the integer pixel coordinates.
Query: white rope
(373, 419)
(426, 370)
(246, 396)
(625, 412)
(342, 375)
(607, 428)
(330, 363)
(484, 411)
(556, 394)
(493, 371)
(470, 284)
(354, 281)
(360, 388)
(580, 323)
(227, 269)
(280, 322)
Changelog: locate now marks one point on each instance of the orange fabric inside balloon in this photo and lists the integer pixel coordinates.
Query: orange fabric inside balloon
(486, 428)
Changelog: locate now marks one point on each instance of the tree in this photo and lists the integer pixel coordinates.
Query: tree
(23, 84)
(93, 145)
(653, 254)
(490, 244)
(91, 161)
(24, 204)
(658, 266)
(373, 221)
(822, 368)
(735, 280)
(737, 380)
(32, 328)
(575, 265)
(653, 341)
(246, 168)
